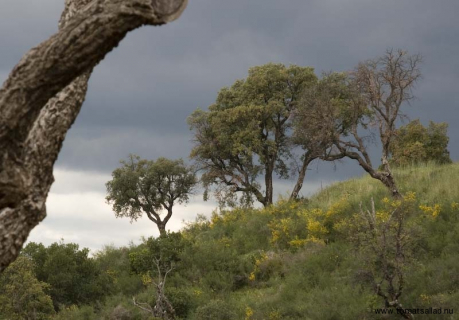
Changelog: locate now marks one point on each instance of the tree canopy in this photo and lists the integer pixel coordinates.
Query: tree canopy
(146, 186)
(415, 143)
(73, 277)
(346, 109)
(246, 133)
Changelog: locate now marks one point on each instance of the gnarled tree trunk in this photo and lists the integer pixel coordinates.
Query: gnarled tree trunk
(42, 97)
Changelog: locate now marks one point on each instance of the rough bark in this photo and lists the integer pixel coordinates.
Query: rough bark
(384, 176)
(42, 97)
(269, 184)
(308, 158)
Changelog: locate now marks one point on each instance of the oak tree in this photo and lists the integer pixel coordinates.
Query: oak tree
(151, 187)
(246, 133)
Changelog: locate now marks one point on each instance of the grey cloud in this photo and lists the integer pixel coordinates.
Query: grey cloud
(101, 150)
(141, 94)
(23, 25)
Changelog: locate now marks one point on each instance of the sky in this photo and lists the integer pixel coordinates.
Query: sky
(141, 94)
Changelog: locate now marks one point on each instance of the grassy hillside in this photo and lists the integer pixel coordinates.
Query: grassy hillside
(314, 259)
(430, 182)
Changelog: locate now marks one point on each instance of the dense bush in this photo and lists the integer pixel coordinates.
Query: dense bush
(415, 143)
(74, 277)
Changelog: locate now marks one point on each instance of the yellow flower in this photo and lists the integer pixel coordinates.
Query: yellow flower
(275, 236)
(382, 216)
(338, 207)
(396, 203)
(425, 298)
(248, 313)
(316, 227)
(297, 243)
(146, 279)
(432, 211)
(252, 276)
(410, 196)
(313, 239)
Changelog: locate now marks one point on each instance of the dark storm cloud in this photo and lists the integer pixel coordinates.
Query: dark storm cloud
(24, 24)
(141, 94)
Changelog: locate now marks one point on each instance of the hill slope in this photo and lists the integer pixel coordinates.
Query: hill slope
(320, 258)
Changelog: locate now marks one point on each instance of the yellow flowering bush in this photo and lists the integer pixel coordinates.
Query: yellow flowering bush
(258, 262)
(431, 211)
(297, 243)
(295, 226)
(316, 229)
(280, 230)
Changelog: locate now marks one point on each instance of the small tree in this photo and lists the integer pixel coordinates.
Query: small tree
(386, 240)
(340, 114)
(246, 133)
(154, 260)
(22, 296)
(163, 309)
(415, 143)
(143, 186)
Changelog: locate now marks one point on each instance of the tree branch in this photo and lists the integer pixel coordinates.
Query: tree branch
(32, 127)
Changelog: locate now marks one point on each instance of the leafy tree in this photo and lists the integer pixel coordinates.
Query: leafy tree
(371, 96)
(143, 186)
(387, 239)
(166, 249)
(415, 143)
(246, 133)
(74, 277)
(155, 259)
(22, 296)
(116, 264)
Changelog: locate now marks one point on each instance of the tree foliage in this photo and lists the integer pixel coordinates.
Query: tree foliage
(22, 295)
(73, 277)
(166, 249)
(345, 109)
(245, 134)
(415, 143)
(144, 186)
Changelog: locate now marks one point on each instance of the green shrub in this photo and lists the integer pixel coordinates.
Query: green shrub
(217, 310)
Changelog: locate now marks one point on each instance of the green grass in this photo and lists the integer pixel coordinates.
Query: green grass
(431, 183)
